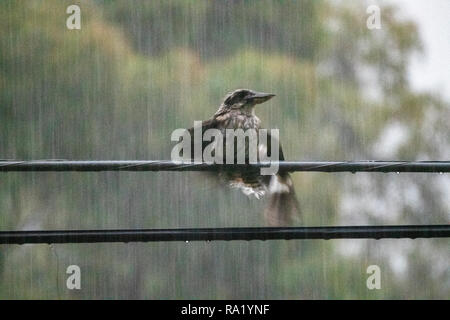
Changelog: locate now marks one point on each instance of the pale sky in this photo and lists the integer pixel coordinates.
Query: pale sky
(431, 71)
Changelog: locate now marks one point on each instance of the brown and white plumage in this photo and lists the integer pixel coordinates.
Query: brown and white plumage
(237, 112)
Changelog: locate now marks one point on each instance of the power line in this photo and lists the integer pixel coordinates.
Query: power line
(344, 232)
(213, 234)
(166, 165)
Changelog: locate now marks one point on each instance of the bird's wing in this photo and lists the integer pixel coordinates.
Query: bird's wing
(207, 124)
(269, 147)
(283, 205)
(267, 178)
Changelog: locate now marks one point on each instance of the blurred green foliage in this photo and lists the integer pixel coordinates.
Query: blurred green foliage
(136, 71)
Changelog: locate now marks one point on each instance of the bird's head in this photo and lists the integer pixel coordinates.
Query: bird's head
(245, 99)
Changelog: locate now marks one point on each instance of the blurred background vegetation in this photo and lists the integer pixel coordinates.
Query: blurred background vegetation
(118, 87)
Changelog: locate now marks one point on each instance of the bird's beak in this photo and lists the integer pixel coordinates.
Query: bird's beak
(260, 97)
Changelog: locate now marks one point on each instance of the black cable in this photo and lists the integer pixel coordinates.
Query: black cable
(166, 165)
(211, 234)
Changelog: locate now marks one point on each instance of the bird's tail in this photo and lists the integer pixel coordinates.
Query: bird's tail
(283, 205)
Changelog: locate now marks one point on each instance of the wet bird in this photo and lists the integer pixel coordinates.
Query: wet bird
(237, 111)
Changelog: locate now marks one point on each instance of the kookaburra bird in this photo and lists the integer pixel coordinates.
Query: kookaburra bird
(237, 111)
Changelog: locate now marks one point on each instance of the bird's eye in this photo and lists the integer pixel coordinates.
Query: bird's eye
(235, 98)
(242, 95)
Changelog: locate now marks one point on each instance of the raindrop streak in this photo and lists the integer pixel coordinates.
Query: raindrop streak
(117, 88)
(53, 250)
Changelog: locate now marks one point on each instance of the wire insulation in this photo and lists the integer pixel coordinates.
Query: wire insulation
(166, 165)
(214, 234)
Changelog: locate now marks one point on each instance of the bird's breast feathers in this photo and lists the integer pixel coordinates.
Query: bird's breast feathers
(238, 120)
